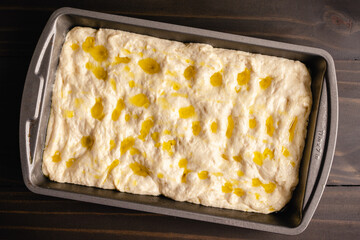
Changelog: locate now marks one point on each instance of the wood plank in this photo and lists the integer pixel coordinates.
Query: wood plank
(346, 165)
(330, 26)
(96, 221)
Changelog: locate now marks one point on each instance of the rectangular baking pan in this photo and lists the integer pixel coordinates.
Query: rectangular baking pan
(318, 152)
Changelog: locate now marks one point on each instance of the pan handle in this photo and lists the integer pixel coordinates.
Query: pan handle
(32, 99)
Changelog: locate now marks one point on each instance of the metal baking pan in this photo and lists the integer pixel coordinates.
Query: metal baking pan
(318, 152)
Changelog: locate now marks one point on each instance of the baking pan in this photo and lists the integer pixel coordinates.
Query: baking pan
(318, 151)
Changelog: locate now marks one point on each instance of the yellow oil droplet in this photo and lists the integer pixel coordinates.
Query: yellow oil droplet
(256, 182)
(119, 60)
(98, 71)
(216, 79)
(56, 157)
(235, 181)
(268, 153)
(78, 102)
(68, 114)
(239, 192)
(184, 95)
(167, 132)
(134, 151)
(126, 51)
(271, 209)
(203, 175)
(183, 163)
(134, 183)
(157, 145)
(145, 128)
(258, 158)
(139, 169)
(140, 100)
(187, 112)
(70, 162)
(252, 123)
(155, 136)
(97, 110)
(99, 53)
(184, 175)
(265, 82)
(285, 151)
(196, 127)
(149, 65)
(113, 84)
(237, 158)
(176, 86)
(218, 174)
(120, 105)
(270, 126)
(171, 73)
(112, 145)
(126, 144)
(127, 117)
(74, 46)
(214, 127)
(293, 163)
(250, 136)
(160, 175)
(224, 156)
(112, 166)
(189, 72)
(87, 142)
(240, 173)
(243, 78)
(167, 146)
(132, 84)
(257, 196)
(88, 44)
(164, 104)
(227, 187)
(251, 110)
(269, 188)
(292, 129)
(230, 127)
(127, 69)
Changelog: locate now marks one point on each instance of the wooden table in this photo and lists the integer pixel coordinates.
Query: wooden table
(331, 25)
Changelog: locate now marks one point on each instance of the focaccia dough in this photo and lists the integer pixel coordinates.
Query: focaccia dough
(144, 115)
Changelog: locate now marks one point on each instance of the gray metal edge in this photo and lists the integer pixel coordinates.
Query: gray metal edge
(25, 116)
(318, 190)
(330, 150)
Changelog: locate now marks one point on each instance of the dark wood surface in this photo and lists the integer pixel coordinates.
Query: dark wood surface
(330, 25)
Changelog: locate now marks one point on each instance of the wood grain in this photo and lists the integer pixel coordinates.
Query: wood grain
(330, 25)
(346, 165)
(56, 219)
